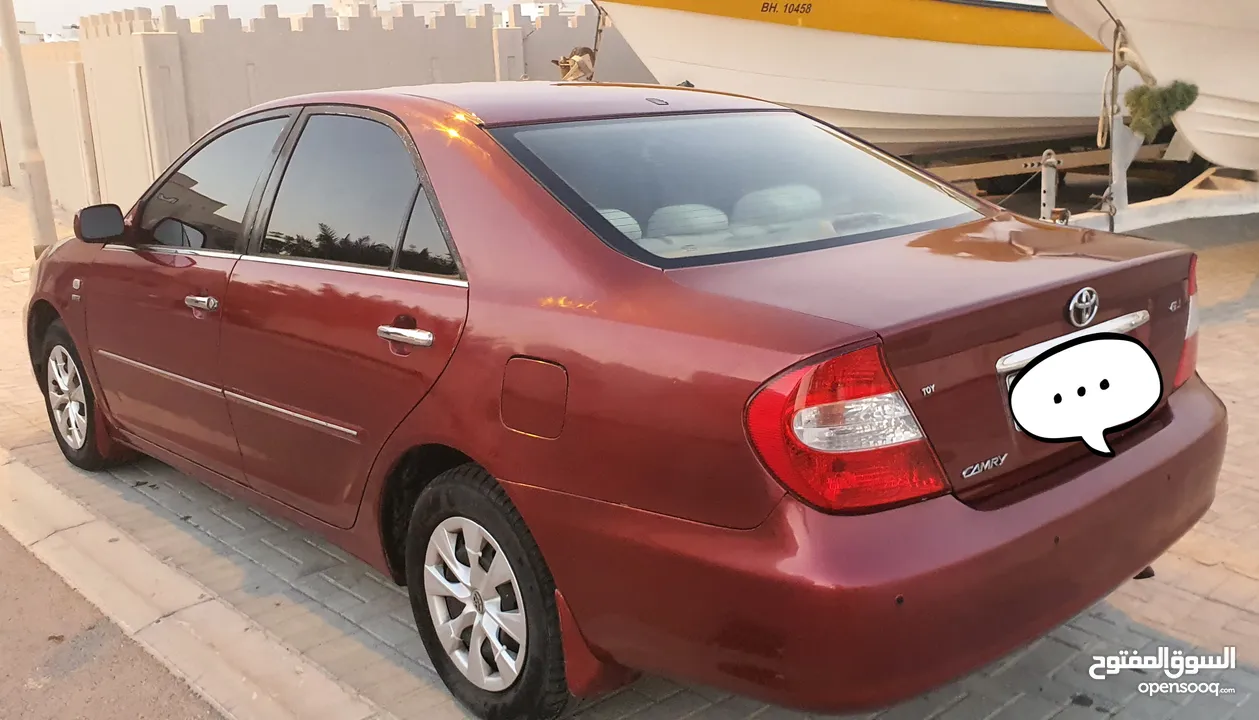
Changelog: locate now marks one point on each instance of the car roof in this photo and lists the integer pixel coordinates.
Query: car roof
(522, 102)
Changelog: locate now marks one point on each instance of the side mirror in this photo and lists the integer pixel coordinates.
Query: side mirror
(176, 233)
(98, 223)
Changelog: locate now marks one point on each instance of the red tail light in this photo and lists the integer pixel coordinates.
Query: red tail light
(1189, 353)
(840, 435)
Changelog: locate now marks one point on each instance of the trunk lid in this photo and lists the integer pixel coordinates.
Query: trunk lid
(949, 304)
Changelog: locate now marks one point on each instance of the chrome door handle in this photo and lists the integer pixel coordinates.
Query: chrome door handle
(202, 302)
(419, 338)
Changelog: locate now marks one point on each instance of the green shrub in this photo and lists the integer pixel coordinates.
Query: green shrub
(1152, 108)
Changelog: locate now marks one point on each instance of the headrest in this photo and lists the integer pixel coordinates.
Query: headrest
(785, 203)
(624, 222)
(686, 220)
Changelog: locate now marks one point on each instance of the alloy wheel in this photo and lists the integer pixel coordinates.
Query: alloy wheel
(66, 397)
(475, 603)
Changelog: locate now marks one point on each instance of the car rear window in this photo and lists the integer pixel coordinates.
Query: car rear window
(677, 190)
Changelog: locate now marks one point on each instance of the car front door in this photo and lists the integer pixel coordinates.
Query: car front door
(343, 313)
(152, 301)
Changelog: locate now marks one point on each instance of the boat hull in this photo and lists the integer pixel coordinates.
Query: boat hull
(1211, 43)
(907, 94)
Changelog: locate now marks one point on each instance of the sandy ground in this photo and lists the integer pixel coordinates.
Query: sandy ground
(60, 659)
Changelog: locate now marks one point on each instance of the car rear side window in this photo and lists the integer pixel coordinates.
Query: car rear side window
(677, 190)
(202, 205)
(424, 247)
(345, 194)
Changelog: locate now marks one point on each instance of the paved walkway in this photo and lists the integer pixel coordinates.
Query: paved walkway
(358, 626)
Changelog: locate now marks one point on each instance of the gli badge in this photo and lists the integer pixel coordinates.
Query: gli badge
(985, 466)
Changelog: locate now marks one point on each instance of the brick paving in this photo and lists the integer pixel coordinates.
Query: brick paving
(357, 624)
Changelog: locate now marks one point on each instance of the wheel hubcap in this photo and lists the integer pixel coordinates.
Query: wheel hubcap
(475, 604)
(67, 398)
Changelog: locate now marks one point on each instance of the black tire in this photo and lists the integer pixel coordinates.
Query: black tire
(88, 455)
(540, 691)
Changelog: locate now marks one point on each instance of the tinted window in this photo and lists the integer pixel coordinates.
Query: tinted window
(687, 186)
(424, 248)
(345, 193)
(208, 194)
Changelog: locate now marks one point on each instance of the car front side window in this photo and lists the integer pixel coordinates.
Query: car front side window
(345, 194)
(202, 204)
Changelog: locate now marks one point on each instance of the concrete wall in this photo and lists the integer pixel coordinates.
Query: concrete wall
(157, 82)
(113, 61)
(227, 68)
(54, 105)
(28, 33)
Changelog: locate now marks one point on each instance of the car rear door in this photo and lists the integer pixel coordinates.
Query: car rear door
(343, 313)
(152, 300)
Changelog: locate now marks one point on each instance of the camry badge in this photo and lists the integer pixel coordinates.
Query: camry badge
(985, 466)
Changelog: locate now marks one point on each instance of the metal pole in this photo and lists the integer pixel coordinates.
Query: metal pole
(34, 171)
(1048, 185)
(602, 18)
(1118, 172)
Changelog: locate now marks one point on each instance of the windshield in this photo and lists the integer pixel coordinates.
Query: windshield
(678, 189)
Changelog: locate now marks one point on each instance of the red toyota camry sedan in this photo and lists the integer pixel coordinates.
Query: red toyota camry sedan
(631, 379)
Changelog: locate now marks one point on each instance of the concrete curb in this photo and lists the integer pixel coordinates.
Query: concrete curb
(229, 660)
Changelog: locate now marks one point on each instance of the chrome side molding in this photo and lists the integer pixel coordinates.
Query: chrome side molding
(275, 410)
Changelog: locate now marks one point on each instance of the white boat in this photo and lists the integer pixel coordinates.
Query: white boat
(1213, 44)
(909, 75)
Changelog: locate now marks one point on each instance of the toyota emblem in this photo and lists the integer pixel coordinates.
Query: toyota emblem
(1083, 307)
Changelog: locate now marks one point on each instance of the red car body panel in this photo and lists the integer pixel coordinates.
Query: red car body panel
(821, 612)
(543, 288)
(304, 339)
(136, 300)
(608, 397)
(932, 298)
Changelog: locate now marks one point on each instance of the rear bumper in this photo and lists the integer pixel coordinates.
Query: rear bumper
(831, 614)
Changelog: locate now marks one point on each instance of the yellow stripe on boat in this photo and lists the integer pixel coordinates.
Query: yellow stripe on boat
(970, 22)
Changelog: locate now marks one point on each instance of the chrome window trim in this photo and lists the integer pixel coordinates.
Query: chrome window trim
(158, 371)
(1020, 359)
(171, 250)
(374, 272)
(290, 414)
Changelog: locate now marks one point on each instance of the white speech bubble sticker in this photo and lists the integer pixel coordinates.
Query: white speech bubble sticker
(1086, 388)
